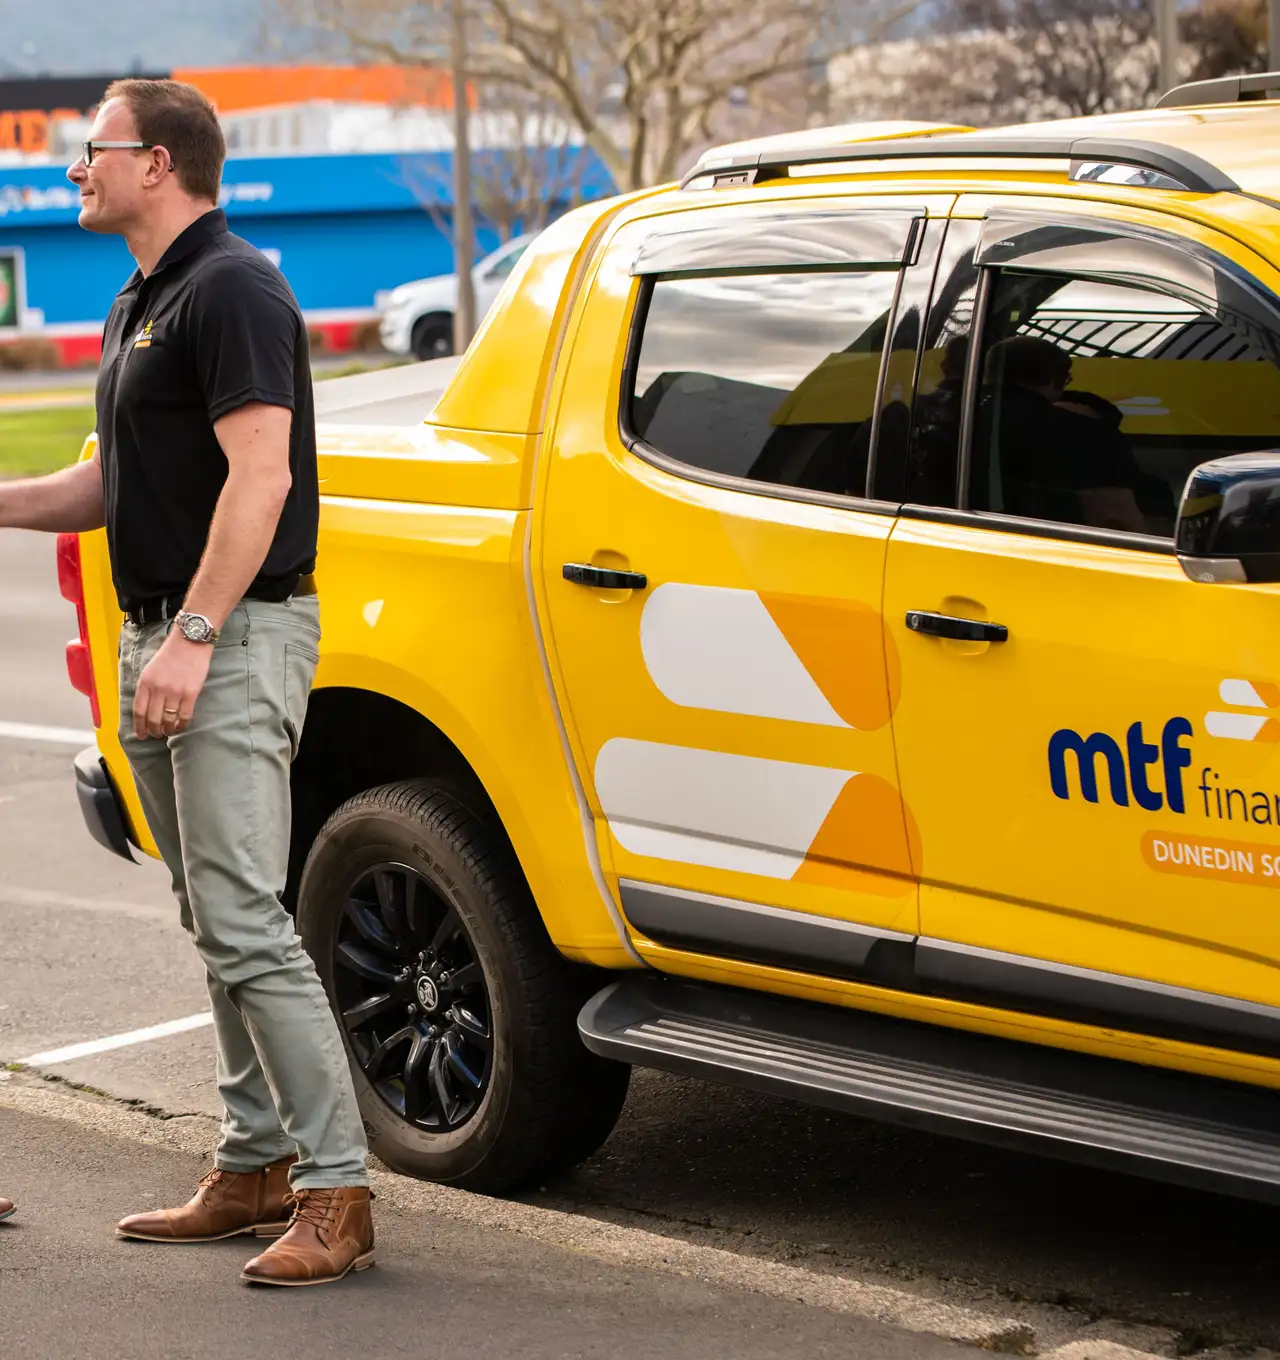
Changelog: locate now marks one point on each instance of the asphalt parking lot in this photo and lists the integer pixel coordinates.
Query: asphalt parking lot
(91, 949)
(441, 1287)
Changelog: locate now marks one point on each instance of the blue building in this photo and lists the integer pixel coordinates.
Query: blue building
(341, 227)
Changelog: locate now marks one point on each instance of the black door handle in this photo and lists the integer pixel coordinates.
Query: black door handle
(603, 578)
(949, 626)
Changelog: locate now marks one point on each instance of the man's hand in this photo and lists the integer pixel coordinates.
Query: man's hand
(169, 686)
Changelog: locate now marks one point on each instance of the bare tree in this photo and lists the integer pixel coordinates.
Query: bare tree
(1226, 37)
(464, 314)
(1075, 49)
(646, 83)
(527, 166)
(987, 62)
(991, 61)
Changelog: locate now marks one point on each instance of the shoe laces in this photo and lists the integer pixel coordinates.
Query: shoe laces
(311, 1206)
(210, 1178)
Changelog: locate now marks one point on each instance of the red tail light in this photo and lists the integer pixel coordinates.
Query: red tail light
(70, 580)
(79, 656)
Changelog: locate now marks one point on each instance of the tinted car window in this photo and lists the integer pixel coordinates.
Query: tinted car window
(1096, 401)
(505, 265)
(770, 378)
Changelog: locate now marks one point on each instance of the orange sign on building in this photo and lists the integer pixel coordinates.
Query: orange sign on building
(236, 88)
(29, 107)
(28, 129)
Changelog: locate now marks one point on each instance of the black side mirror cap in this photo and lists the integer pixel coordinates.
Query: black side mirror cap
(1229, 519)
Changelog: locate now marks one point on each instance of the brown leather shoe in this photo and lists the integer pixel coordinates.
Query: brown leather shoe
(227, 1204)
(7, 1209)
(331, 1233)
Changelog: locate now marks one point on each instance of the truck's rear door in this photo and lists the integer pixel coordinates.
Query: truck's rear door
(730, 713)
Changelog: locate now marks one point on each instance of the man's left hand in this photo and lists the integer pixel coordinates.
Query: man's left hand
(169, 686)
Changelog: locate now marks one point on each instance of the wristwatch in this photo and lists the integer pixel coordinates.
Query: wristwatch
(195, 627)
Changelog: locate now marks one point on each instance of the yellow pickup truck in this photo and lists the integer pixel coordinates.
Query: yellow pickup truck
(823, 637)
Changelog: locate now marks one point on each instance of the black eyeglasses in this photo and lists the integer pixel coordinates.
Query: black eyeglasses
(88, 150)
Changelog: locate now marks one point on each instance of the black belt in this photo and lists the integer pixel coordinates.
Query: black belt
(165, 607)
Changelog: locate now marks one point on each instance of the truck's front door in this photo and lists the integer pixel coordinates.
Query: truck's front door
(1098, 788)
(731, 716)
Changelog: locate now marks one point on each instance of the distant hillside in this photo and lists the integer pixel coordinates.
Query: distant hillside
(70, 37)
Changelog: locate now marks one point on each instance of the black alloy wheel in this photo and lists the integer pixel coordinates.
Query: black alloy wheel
(458, 1013)
(433, 338)
(413, 998)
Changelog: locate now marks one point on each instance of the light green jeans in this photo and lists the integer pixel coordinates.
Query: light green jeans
(216, 798)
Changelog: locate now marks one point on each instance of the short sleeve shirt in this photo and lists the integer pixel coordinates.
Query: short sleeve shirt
(212, 328)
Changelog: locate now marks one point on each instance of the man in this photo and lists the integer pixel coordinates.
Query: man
(205, 478)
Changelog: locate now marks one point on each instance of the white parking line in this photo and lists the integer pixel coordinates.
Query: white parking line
(41, 899)
(57, 736)
(136, 1036)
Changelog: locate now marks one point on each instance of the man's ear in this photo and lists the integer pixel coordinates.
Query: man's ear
(160, 167)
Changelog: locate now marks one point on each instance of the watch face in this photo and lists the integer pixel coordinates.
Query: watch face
(194, 628)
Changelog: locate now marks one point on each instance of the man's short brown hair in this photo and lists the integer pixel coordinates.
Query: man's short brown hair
(180, 119)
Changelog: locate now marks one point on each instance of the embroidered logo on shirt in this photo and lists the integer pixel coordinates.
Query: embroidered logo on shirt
(143, 339)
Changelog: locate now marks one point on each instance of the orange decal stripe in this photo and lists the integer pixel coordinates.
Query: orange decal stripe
(862, 846)
(845, 647)
(1268, 692)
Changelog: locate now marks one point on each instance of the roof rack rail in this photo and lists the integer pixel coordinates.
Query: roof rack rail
(1223, 90)
(1184, 168)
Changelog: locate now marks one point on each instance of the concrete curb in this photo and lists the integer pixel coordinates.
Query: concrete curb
(635, 1247)
(196, 1135)
(1097, 1350)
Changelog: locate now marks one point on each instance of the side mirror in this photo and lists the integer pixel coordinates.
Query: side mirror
(1229, 520)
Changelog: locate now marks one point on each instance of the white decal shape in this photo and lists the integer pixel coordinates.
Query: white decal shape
(1236, 726)
(1240, 693)
(717, 648)
(712, 808)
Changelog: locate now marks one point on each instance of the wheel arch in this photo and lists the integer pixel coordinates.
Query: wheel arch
(532, 1099)
(366, 728)
(356, 739)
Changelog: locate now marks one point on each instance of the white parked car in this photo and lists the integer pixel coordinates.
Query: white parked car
(417, 317)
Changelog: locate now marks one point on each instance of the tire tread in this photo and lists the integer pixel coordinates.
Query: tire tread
(553, 1133)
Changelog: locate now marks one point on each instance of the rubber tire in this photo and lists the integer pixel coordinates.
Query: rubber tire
(550, 1102)
(428, 332)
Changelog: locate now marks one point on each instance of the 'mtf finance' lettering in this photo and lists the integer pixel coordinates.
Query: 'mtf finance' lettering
(1126, 770)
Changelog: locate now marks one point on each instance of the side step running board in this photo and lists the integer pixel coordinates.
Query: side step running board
(1191, 1130)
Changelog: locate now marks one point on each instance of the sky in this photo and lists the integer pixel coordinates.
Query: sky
(83, 37)
(73, 37)
(91, 37)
